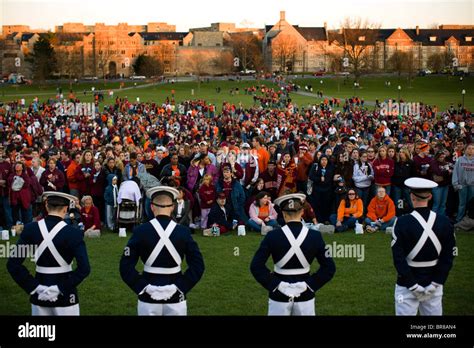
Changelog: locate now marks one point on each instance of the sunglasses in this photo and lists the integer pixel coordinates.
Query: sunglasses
(351, 194)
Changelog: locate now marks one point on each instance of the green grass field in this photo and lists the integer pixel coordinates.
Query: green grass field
(434, 90)
(228, 288)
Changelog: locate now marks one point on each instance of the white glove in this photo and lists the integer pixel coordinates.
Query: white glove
(418, 291)
(430, 289)
(292, 289)
(50, 294)
(161, 293)
(39, 289)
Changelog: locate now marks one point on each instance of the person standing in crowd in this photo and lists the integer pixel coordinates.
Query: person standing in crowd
(5, 170)
(83, 173)
(133, 168)
(463, 179)
(207, 198)
(323, 189)
(383, 169)
(249, 165)
(423, 162)
(442, 176)
(234, 193)
(20, 193)
(305, 160)
(53, 289)
(111, 201)
(363, 177)
(404, 169)
(110, 167)
(151, 165)
(98, 184)
(261, 153)
(291, 287)
(423, 249)
(287, 171)
(271, 179)
(162, 245)
(182, 211)
(174, 171)
(52, 178)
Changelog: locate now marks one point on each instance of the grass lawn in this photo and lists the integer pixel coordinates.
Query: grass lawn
(440, 90)
(435, 90)
(228, 288)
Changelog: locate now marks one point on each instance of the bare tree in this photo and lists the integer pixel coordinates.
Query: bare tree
(248, 48)
(69, 62)
(284, 50)
(104, 55)
(357, 39)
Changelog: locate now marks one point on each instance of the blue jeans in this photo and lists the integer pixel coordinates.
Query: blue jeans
(347, 221)
(7, 212)
(465, 195)
(384, 225)
(399, 193)
(364, 194)
(21, 214)
(440, 195)
(254, 226)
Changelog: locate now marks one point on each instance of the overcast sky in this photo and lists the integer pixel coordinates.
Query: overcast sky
(185, 14)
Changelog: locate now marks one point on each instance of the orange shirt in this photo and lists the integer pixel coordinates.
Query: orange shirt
(263, 158)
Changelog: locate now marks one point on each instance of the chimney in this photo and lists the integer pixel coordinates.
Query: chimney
(282, 15)
(417, 30)
(325, 26)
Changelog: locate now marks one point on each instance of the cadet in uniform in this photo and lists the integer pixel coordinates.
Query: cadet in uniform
(423, 248)
(293, 248)
(53, 288)
(162, 245)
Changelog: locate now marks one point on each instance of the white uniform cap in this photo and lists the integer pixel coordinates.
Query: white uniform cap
(420, 184)
(170, 191)
(291, 202)
(61, 195)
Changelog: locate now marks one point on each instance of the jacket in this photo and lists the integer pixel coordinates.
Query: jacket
(381, 209)
(356, 209)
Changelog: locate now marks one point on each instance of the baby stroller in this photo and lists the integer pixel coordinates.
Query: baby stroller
(129, 205)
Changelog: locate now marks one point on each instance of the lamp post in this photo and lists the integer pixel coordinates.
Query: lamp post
(399, 90)
(463, 92)
(355, 85)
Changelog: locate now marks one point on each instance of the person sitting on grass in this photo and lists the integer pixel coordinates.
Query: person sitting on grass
(262, 213)
(90, 214)
(350, 210)
(381, 212)
(221, 215)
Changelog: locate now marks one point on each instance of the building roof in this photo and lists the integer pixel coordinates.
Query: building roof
(161, 36)
(312, 33)
(441, 35)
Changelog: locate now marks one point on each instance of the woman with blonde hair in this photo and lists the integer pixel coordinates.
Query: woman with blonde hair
(383, 169)
(90, 216)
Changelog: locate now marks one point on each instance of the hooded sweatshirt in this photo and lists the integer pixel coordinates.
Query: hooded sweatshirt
(381, 209)
(111, 191)
(463, 174)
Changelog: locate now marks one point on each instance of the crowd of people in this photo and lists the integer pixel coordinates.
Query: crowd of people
(231, 163)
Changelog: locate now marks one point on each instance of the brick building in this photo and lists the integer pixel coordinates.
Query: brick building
(292, 48)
